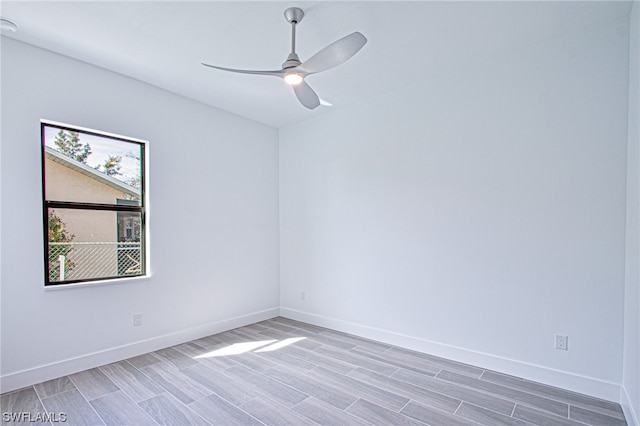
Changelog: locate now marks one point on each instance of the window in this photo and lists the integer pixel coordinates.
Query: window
(93, 205)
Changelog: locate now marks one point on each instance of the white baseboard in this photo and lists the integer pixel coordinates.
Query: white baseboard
(31, 376)
(630, 413)
(574, 382)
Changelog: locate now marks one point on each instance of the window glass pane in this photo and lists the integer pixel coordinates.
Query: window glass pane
(87, 168)
(93, 244)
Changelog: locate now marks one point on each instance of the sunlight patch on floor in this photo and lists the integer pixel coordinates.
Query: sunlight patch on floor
(236, 349)
(281, 344)
(244, 347)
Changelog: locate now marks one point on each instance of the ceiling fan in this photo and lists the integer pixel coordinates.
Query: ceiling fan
(294, 72)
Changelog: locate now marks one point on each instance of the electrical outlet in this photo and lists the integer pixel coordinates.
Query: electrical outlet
(137, 320)
(562, 342)
(303, 295)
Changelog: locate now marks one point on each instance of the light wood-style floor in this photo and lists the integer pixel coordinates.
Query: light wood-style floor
(284, 372)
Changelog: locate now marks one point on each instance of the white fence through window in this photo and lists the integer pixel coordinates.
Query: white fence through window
(81, 261)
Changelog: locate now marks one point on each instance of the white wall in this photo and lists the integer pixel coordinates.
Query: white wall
(475, 215)
(213, 220)
(630, 392)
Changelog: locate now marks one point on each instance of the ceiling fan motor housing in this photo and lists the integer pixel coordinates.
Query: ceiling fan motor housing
(292, 61)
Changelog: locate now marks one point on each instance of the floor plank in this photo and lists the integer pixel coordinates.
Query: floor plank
(378, 415)
(54, 387)
(326, 414)
(432, 416)
(137, 385)
(219, 411)
(118, 409)
(166, 410)
(487, 417)
(21, 406)
(176, 383)
(76, 409)
(272, 413)
(93, 383)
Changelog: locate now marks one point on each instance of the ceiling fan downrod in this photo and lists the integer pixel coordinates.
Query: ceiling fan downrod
(293, 15)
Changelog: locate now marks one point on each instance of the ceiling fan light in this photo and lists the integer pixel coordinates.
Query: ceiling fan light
(293, 79)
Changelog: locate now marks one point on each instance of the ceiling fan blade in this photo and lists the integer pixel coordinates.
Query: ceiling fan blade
(306, 95)
(277, 73)
(334, 54)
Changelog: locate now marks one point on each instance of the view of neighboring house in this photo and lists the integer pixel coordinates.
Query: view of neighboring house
(95, 233)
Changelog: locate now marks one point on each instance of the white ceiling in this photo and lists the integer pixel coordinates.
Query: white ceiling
(164, 42)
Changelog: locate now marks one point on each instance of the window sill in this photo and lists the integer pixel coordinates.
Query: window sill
(97, 283)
